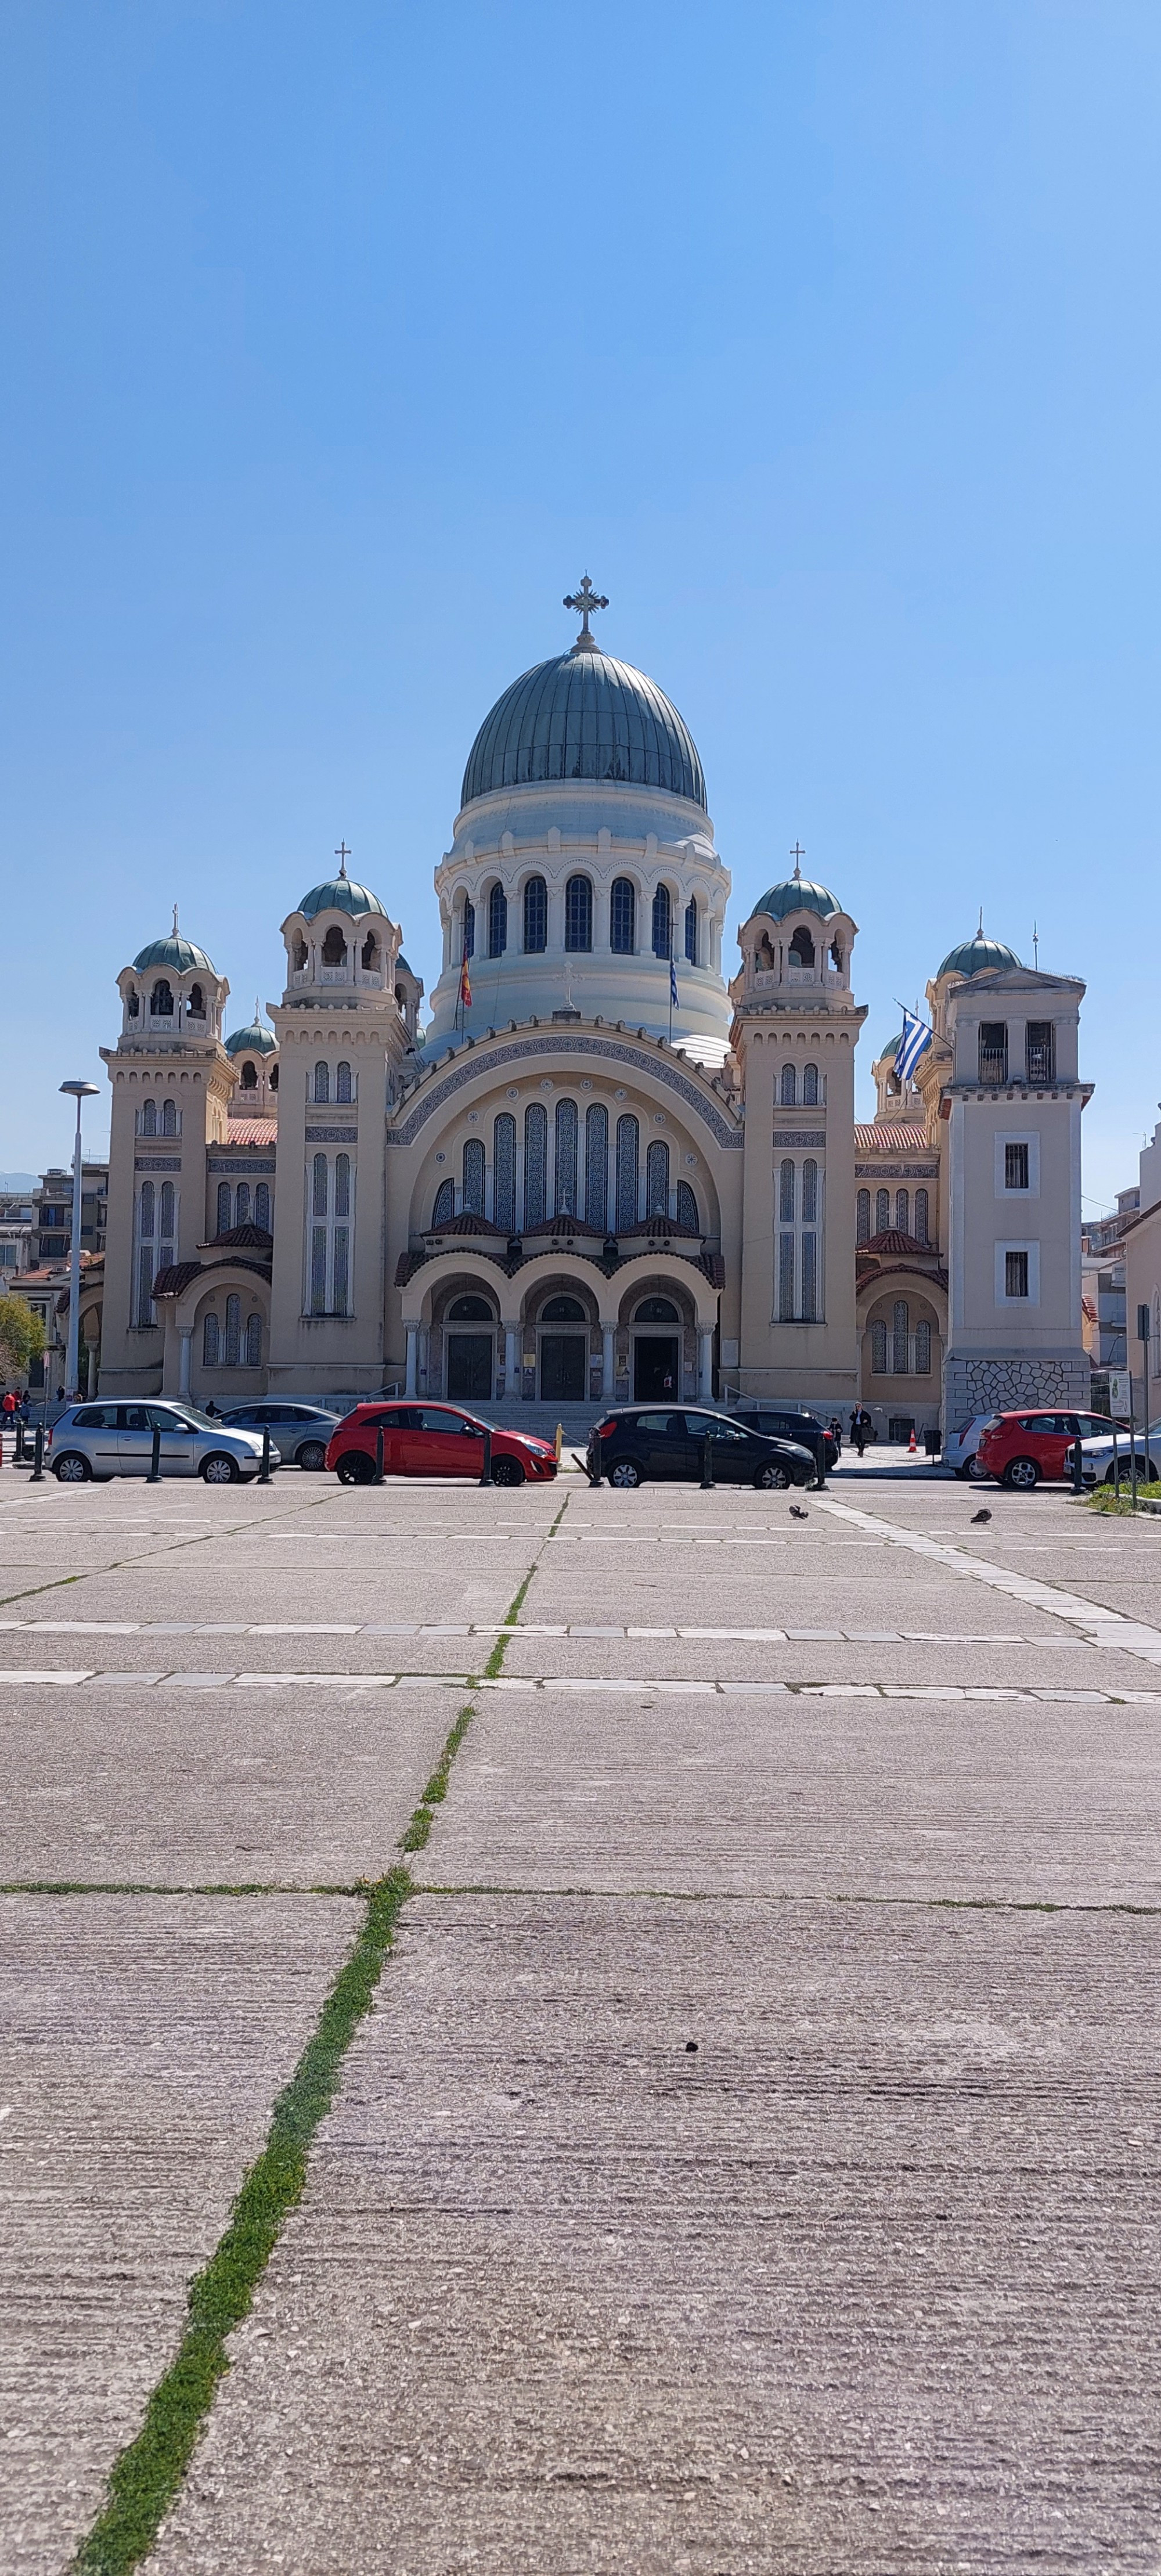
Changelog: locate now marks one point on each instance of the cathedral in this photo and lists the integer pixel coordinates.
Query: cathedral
(595, 1170)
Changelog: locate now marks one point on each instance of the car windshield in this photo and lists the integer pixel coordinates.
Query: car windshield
(202, 1421)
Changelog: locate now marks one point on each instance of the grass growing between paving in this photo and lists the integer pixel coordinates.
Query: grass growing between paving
(146, 2477)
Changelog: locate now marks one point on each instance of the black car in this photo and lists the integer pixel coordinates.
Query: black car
(803, 1427)
(642, 1443)
(300, 1431)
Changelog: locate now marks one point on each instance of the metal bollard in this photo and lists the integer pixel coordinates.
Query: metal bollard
(18, 1457)
(707, 1465)
(38, 1455)
(377, 1478)
(154, 1476)
(486, 1476)
(1077, 1478)
(264, 1470)
(1116, 1466)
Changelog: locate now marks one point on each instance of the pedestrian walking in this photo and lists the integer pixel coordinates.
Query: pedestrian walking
(836, 1433)
(861, 1427)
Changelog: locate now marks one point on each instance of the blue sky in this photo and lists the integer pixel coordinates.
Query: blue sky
(340, 340)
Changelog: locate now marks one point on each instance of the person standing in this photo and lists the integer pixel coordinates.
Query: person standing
(860, 1427)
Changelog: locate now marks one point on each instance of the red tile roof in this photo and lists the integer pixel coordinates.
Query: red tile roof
(249, 1131)
(884, 1139)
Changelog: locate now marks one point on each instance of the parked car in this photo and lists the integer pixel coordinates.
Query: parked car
(106, 1440)
(1018, 1449)
(639, 1443)
(961, 1448)
(1097, 1461)
(434, 1440)
(804, 1428)
(303, 1431)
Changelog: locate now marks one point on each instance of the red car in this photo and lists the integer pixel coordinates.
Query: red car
(1019, 1448)
(434, 1440)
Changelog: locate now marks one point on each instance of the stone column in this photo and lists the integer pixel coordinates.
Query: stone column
(512, 1385)
(608, 1359)
(705, 1361)
(186, 1332)
(412, 1331)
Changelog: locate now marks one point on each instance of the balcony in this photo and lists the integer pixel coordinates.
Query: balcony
(993, 1067)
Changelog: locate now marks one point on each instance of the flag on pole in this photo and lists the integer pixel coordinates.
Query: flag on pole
(914, 1042)
(672, 983)
(465, 984)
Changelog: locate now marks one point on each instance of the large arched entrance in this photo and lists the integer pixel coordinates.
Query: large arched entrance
(562, 1333)
(469, 1322)
(656, 1332)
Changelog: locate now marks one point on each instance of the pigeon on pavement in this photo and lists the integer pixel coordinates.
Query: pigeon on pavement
(797, 1513)
(985, 1515)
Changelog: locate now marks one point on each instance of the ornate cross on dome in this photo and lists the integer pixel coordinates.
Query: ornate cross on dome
(342, 854)
(586, 601)
(175, 921)
(797, 854)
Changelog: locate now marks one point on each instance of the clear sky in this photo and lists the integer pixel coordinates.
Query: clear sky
(340, 339)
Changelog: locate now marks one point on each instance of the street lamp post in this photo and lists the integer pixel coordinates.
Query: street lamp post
(79, 1091)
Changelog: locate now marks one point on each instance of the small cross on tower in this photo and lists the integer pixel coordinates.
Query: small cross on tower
(342, 854)
(586, 601)
(797, 854)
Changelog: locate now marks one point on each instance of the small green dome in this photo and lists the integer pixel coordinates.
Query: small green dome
(974, 955)
(339, 894)
(887, 1054)
(252, 1041)
(178, 954)
(796, 894)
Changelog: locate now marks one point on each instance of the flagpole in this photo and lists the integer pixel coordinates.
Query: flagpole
(671, 979)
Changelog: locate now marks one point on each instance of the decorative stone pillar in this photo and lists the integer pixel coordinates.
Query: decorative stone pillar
(608, 1359)
(512, 1386)
(411, 1387)
(705, 1361)
(186, 1332)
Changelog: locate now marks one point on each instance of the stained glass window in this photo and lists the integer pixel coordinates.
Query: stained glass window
(597, 1166)
(789, 1087)
(504, 1172)
(445, 1204)
(578, 913)
(662, 922)
(923, 1350)
(497, 921)
(786, 1191)
(921, 1216)
(211, 1340)
(657, 1180)
(623, 917)
(863, 1217)
(535, 1165)
(233, 1349)
(691, 931)
(566, 1157)
(262, 1206)
(243, 1210)
(628, 1153)
(535, 917)
(253, 1341)
(474, 1176)
(899, 1321)
(810, 1086)
(687, 1208)
(343, 1081)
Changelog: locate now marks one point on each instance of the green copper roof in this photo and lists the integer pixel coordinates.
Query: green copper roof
(255, 1040)
(973, 955)
(796, 894)
(583, 715)
(889, 1050)
(339, 894)
(178, 953)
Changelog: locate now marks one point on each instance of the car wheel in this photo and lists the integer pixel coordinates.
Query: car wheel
(977, 1474)
(772, 1480)
(355, 1469)
(312, 1456)
(625, 1475)
(72, 1469)
(507, 1471)
(220, 1470)
(1021, 1475)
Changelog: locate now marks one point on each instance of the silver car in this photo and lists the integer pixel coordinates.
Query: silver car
(104, 1440)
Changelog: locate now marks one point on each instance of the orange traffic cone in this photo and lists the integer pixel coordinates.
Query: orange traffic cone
(912, 1444)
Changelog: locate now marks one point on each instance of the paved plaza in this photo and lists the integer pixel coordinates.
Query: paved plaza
(746, 2163)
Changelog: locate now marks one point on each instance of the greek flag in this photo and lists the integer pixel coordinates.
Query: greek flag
(672, 982)
(914, 1042)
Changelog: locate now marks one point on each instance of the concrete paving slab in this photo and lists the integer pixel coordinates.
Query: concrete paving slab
(160, 1784)
(776, 1795)
(145, 2041)
(865, 2282)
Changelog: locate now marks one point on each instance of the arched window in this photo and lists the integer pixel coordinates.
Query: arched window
(497, 921)
(149, 1118)
(147, 1211)
(535, 1165)
(657, 1179)
(322, 1081)
(923, 1349)
(578, 914)
(166, 1212)
(301, 953)
(249, 1076)
(262, 1206)
(334, 947)
(343, 1086)
(470, 1310)
(253, 1341)
(786, 1179)
(233, 1350)
(474, 1176)
(161, 1001)
(899, 1323)
(242, 1204)
(802, 947)
(224, 1219)
(597, 1167)
(369, 953)
(445, 1204)
(903, 1211)
(563, 1310)
(628, 1152)
(882, 1211)
(810, 1191)
(504, 1172)
(691, 932)
(879, 1349)
(662, 922)
(535, 917)
(687, 1214)
(341, 1258)
(133, 1005)
(211, 1342)
(863, 1217)
(319, 1197)
(789, 1087)
(169, 1118)
(656, 1310)
(196, 1004)
(623, 917)
(468, 931)
(921, 1220)
(810, 1086)
(566, 1157)
(274, 1077)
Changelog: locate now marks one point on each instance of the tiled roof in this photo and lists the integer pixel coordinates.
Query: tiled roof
(251, 1131)
(170, 1281)
(883, 1139)
(893, 1239)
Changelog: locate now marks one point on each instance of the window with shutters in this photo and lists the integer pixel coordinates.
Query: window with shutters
(567, 1138)
(535, 917)
(597, 1167)
(504, 1172)
(623, 917)
(628, 1159)
(535, 1165)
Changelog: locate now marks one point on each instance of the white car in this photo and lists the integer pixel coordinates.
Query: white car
(104, 1440)
(1097, 1464)
(959, 1448)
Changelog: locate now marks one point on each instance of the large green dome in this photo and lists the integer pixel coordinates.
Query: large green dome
(796, 894)
(252, 1041)
(339, 894)
(177, 953)
(974, 955)
(582, 715)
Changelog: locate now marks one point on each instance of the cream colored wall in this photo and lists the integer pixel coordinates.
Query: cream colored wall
(1143, 1288)
(798, 1361)
(985, 1216)
(331, 1353)
(198, 1077)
